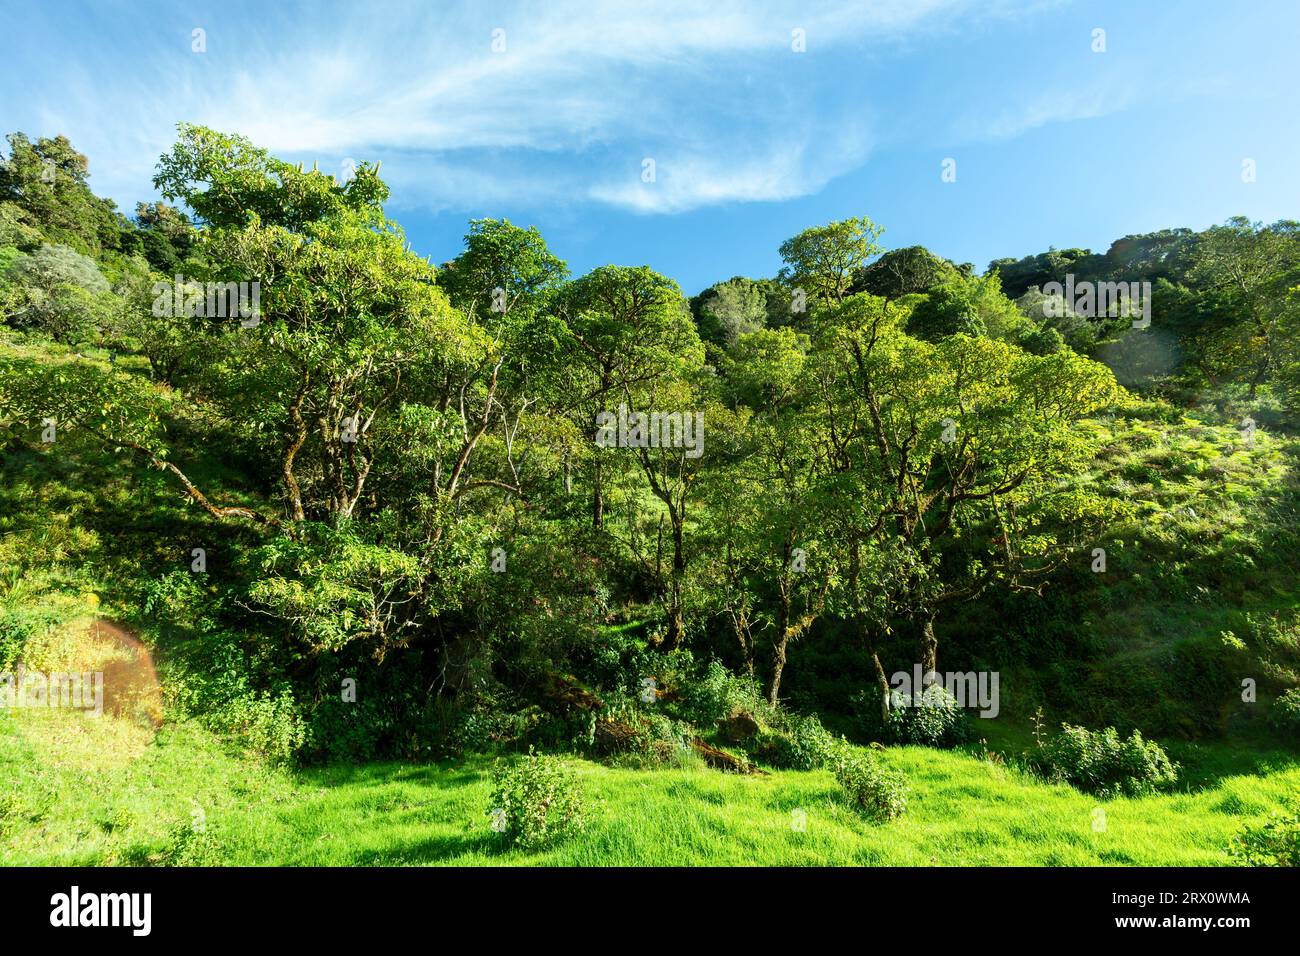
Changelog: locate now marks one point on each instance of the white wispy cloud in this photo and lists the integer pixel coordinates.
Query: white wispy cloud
(1043, 107)
(565, 113)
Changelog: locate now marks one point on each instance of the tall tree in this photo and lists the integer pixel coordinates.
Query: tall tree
(823, 260)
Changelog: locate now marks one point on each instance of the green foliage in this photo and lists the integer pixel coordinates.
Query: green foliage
(728, 310)
(907, 463)
(44, 182)
(228, 181)
(188, 845)
(903, 272)
(641, 736)
(505, 257)
(536, 802)
(938, 721)
(332, 586)
(1274, 842)
(945, 311)
(706, 694)
(873, 789)
(1100, 762)
(60, 292)
(823, 260)
(1284, 715)
(795, 742)
(84, 400)
(270, 725)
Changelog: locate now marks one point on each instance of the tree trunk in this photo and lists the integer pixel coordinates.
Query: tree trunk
(782, 638)
(597, 500)
(740, 624)
(676, 625)
(676, 621)
(778, 665)
(881, 678)
(928, 647)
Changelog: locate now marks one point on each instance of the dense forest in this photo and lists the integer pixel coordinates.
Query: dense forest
(356, 507)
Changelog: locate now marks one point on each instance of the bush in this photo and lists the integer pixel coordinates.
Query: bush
(535, 802)
(1275, 842)
(1099, 762)
(267, 725)
(641, 737)
(938, 722)
(712, 695)
(873, 789)
(797, 742)
(11, 814)
(1285, 715)
(18, 625)
(187, 846)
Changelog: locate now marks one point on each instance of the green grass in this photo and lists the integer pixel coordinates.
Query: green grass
(87, 794)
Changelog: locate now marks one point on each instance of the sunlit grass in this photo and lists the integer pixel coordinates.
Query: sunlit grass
(962, 811)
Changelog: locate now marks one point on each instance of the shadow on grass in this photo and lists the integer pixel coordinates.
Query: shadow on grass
(436, 849)
(443, 775)
(1206, 766)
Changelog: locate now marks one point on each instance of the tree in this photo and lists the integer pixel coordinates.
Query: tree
(60, 292)
(974, 306)
(780, 560)
(903, 272)
(823, 260)
(1252, 266)
(730, 309)
(504, 268)
(166, 235)
(628, 327)
(952, 464)
(47, 180)
(351, 321)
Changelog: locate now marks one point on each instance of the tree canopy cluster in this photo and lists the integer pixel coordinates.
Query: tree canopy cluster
(887, 435)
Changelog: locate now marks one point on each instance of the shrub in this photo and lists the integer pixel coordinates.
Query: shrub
(1275, 842)
(641, 737)
(1099, 762)
(1285, 715)
(873, 789)
(188, 846)
(797, 742)
(710, 697)
(268, 725)
(697, 695)
(938, 722)
(535, 802)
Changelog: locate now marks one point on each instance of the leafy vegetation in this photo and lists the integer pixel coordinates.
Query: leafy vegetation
(315, 505)
(1100, 762)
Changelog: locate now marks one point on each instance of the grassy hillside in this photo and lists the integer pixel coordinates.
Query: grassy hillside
(86, 791)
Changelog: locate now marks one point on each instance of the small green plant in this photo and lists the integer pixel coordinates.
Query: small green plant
(535, 802)
(1101, 763)
(1275, 842)
(1285, 715)
(873, 789)
(11, 815)
(121, 820)
(188, 845)
(1040, 734)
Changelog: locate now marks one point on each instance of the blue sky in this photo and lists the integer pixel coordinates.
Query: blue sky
(1054, 144)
